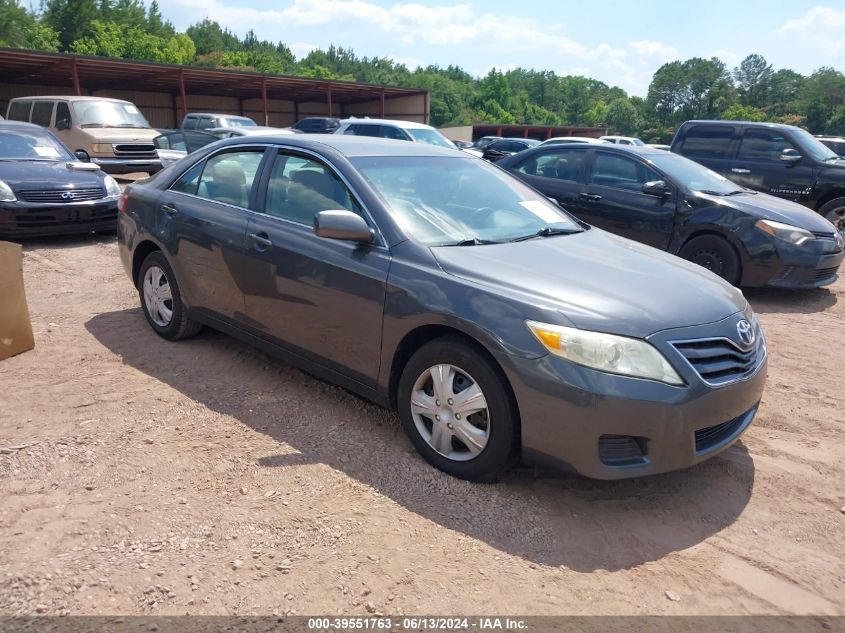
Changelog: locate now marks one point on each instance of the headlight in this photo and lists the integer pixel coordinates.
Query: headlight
(102, 148)
(785, 232)
(112, 188)
(6, 193)
(606, 352)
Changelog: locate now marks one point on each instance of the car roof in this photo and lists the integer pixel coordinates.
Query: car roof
(218, 114)
(68, 98)
(755, 123)
(639, 150)
(20, 125)
(395, 122)
(351, 145)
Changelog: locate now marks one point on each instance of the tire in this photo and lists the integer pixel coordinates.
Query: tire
(834, 212)
(715, 254)
(156, 273)
(475, 440)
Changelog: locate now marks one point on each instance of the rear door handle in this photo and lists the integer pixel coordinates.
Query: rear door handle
(169, 209)
(261, 238)
(589, 197)
(737, 170)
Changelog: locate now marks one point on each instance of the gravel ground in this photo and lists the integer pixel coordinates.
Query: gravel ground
(204, 477)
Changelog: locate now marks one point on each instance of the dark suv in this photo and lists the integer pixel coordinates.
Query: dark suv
(317, 125)
(781, 160)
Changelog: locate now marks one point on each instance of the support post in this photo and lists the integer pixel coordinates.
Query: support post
(381, 104)
(329, 99)
(75, 72)
(296, 111)
(425, 107)
(182, 95)
(264, 101)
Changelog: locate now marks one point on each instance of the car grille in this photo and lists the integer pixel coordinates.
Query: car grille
(712, 436)
(826, 235)
(823, 273)
(719, 361)
(135, 150)
(621, 450)
(61, 196)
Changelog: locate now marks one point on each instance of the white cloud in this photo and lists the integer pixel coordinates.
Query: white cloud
(822, 27)
(446, 26)
(301, 49)
(730, 58)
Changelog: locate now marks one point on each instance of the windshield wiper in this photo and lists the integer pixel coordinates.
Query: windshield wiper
(95, 125)
(474, 241)
(546, 231)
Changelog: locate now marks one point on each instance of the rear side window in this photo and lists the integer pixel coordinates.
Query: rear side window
(708, 141)
(228, 177)
(564, 164)
(388, 131)
(621, 172)
(204, 123)
(19, 111)
(763, 144)
(190, 180)
(190, 123)
(42, 113)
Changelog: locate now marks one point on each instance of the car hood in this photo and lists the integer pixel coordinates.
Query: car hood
(47, 175)
(598, 281)
(767, 207)
(121, 134)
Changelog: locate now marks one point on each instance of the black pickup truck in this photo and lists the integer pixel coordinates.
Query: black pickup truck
(781, 160)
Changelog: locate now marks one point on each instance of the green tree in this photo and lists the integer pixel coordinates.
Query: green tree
(821, 94)
(156, 24)
(14, 23)
(739, 112)
(753, 80)
(623, 117)
(71, 19)
(104, 38)
(209, 37)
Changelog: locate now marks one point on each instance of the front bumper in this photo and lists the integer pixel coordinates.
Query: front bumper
(127, 165)
(612, 427)
(783, 265)
(24, 219)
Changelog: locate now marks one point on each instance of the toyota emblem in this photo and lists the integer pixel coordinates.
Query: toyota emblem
(67, 195)
(746, 333)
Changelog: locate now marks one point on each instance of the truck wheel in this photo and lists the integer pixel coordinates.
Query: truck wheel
(834, 212)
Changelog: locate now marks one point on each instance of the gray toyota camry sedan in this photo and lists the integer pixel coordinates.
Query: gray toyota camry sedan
(500, 327)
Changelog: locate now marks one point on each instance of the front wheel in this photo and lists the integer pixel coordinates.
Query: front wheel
(834, 212)
(161, 300)
(715, 254)
(456, 409)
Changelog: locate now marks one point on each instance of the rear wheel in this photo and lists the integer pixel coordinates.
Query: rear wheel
(834, 212)
(161, 300)
(715, 254)
(456, 409)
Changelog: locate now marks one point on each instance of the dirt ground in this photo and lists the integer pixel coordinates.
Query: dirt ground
(204, 477)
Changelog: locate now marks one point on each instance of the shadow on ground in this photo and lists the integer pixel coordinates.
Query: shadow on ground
(786, 301)
(582, 524)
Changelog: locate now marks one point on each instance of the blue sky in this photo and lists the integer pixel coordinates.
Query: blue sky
(620, 42)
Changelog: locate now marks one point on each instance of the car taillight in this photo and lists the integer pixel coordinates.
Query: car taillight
(121, 202)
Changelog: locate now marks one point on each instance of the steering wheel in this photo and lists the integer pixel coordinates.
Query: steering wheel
(484, 212)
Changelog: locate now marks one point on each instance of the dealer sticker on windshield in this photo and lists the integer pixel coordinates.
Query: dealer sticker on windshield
(542, 211)
(45, 151)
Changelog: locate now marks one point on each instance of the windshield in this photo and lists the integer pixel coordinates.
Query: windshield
(27, 145)
(692, 175)
(637, 142)
(813, 146)
(109, 114)
(442, 201)
(239, 122)
(432, 137)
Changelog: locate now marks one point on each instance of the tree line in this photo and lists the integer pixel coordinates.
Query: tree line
(679, 90)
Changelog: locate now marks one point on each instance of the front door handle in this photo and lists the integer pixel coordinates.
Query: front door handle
(737, 170)
(169, 209)
(261, 238)
(589, 197)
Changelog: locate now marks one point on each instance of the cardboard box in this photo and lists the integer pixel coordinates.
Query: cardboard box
(15, 326)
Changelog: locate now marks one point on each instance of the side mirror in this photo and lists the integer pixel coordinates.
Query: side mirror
(62, 124)
(790, 155)
(342, 225)
(82, 155)
(656, 188)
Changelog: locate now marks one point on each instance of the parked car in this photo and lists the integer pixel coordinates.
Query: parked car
(781, 160)
(562, 140)
(477, 148)
(45, 190)
(662, 146)
(258, 130)
(208, 120)
(836, 143)
(622, 140)
(461, 144)
(499, 326)
(669, 202)
(112, 132)
(398, 130)
(173, 145)
(317, 125)
(506, 147)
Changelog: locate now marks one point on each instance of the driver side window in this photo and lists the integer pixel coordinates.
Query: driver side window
(620, 172)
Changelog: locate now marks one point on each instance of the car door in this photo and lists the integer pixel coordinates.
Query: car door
(204, 217)
(613, 200)
(758, 165)
(557, 173)
(323, 298)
